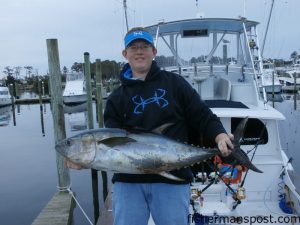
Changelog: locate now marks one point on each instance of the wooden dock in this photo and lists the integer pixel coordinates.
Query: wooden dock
(290, 89)
(106, 217)
(59, 211)
(32, 101)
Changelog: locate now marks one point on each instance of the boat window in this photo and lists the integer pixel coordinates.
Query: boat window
(3, 92)
(195, 33)
(255, 131)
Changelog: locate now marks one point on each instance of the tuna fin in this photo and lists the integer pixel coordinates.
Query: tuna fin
(160, 129)
(239, 132)
(114, 141)
(170, 176)
(237, 152)
(243, 159)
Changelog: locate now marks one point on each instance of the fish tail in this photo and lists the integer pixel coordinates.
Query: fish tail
(238, 153)
(244, 160)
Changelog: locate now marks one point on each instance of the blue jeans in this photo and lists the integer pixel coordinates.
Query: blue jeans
(167, 203)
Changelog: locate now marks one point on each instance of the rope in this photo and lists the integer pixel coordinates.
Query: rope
(84, 213)
(269, 187)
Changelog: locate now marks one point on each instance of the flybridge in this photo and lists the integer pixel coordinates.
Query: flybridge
(224, 66)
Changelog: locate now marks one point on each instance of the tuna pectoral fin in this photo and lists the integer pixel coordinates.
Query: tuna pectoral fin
(243, 159)
(170, 176)
(114, 141)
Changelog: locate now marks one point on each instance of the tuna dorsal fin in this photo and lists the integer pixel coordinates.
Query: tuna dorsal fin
(170, 176)
(161, 128)
(114, 141)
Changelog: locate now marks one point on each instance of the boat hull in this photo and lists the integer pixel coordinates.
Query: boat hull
(271, 88)
(75, 99)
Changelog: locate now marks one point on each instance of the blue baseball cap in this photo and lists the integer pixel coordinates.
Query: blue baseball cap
(138, 34)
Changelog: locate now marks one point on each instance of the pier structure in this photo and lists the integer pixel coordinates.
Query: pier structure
(59, 210)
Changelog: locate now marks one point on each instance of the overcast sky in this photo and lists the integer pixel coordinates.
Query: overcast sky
(98, 26)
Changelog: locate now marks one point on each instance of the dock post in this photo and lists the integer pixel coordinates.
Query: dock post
(10, 88)
(94, 173)
(57, 110)
(100, 117)
(295, 92)
(273, 89)
(99, 93)
(17, 90)
(41, 107)
(87, 74)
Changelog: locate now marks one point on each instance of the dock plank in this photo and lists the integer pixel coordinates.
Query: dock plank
(106, 216)
(58, 211)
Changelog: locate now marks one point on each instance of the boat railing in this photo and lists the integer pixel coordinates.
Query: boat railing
(75, 76)
(206, 70)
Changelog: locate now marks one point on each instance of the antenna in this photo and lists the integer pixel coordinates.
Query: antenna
(267, 28)
(125, 11)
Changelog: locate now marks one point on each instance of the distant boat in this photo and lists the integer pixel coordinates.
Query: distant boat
(78, 121)
(75, 92)
(5, 97)
(271, 84)
(287, 79)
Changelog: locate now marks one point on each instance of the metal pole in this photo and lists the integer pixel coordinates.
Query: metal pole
(125, 11)
(57, 111)
(267, 28)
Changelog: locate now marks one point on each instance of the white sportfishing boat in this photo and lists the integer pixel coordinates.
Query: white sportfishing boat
(5, 97)
(75, 92)
(232, 93)
(271, 80)
(290, 76)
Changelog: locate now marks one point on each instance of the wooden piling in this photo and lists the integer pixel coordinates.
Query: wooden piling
(10, 88)
(295, 92)
(57, 110)
(87, 74)
(17, 90)
(273, 89)
(99, 93)
(41, 107)
(100, 117)
(94, 173)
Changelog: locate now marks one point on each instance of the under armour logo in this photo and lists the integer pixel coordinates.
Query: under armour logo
(156, 99)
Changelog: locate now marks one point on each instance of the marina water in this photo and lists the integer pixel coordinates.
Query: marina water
(28, 175)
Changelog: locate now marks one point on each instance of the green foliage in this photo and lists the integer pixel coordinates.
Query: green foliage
(77, 67)
(110, 69)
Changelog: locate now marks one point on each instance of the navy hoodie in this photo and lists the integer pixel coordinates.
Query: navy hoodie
(163, 97)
